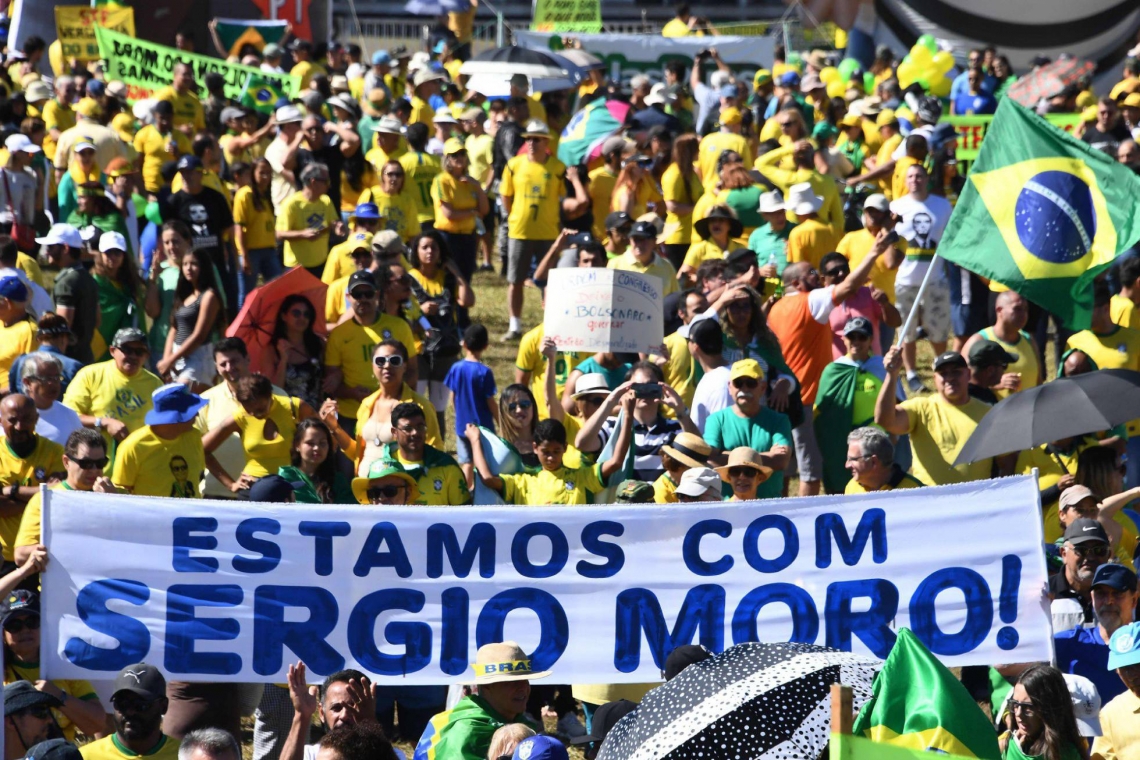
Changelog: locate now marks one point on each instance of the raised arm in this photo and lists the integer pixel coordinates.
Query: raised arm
(481, 467)
(887, 415)
(624, 437)
(859, 276)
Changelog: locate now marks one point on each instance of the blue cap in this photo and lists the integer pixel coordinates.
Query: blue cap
(174, 403)
(95, 88)
(1115, 576)
(189, 163)
(790, 78)
(273, 488)
(728, 91)
(381, 56)
(366, 211)
(540, 747)
(438, 47)
(1124, 646)
(14, 289)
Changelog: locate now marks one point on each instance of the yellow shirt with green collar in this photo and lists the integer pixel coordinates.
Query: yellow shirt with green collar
(439, 478)
(30, 532)
(659, 268)
(101, 390)
(1124, 312)
(566, 485)
(536, 190)
(110, 748)
(187, 108)
(420, 171)
(45, 460)
(906, 481)
(15, 670)
(350, 346)
(664, 490)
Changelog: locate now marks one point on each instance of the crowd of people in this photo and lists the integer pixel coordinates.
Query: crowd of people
(790, 228)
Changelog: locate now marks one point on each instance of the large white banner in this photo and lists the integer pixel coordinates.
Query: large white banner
(595, 310)
(640, 52)
(236, 591)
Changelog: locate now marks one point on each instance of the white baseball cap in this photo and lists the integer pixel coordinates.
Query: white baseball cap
(288, 115)
(697, 481)
(1086, 704)
(21, 142)
(112, 241)
(62, 234)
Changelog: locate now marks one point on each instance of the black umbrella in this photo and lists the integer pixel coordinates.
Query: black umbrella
(506, 61)
(1063, 408)
(752, 701)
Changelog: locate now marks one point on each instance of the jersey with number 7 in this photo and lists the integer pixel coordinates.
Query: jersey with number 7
(536, 191)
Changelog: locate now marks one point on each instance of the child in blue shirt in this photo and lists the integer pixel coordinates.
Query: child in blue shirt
(472, 386)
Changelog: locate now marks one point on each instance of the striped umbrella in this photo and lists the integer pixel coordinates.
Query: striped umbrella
(583, 137)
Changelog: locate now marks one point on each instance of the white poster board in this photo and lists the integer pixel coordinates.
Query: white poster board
(594, 310)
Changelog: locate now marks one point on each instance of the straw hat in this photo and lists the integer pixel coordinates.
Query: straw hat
(591, 384)
(689, 449)
(495, 663)
(743, 456)
(377, 471)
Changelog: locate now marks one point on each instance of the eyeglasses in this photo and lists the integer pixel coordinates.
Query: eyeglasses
(837, 271)
(1027, 708)
(300, 314)
(30, 622)
(387, 492)
(44, 378)
(856, 459)
(91, 464)
(125, 703)
(388, 361)
(516, 406)
(393, 174)
(745, 382)
(1096, 552)
(420, 428)
(740, 472)
(363, 295)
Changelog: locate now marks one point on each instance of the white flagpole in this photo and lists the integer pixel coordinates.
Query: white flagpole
(917, 300)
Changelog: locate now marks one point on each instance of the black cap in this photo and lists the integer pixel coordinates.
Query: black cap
(54, 749)
(584, 240)
(300, 44)
(1083, 530)
(949, 359)
(142, 679)
(682, 657)
(363, 277)
(643, 230)
(741, 256)
(1115, 576)
(189, 163)
(20, 600)
(859, 325)
(21, 695)
(605, 718)
(987, 353)
(273, 488)
(616, 219)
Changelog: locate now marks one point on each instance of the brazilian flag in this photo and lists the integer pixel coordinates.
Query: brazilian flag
(1043, 214)
(260, 93)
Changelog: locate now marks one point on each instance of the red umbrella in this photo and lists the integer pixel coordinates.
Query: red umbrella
(258, 315)
(1049, 80)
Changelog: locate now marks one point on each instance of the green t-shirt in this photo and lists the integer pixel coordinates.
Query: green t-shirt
(866, 393)
(614, 377)
(726, 430)
(118, 308)
(771, 246)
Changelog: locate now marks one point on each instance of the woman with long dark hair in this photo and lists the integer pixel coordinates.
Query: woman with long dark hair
(1041, 720)
(747, 336)
(120, 291)
(254, 228)
(195, 319)
(295, 354)
(315, 464)
(681, 187)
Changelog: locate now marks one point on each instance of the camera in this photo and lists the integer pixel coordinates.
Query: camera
(647, 390)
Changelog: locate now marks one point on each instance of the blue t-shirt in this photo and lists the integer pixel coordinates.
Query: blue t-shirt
(974, 105)
(726, 430)
(1082, 652)
(472, 383)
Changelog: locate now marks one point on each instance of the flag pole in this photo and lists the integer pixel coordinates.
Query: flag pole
(917, 300)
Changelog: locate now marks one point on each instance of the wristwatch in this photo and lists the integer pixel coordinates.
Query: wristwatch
(98, 423)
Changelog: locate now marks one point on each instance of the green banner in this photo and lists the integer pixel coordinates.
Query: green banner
(972, 130)
(583, 16)
(146, 67)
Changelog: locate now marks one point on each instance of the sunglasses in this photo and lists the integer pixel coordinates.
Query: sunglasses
(132, 704)
(516, 406)
(420, 428)
(1027, 708)
(363, 295)
(393, 174)
(387, 492)
(29, 622)
(300, 314)
(91, 464)
(837, 271)
(740, 472)
(1097, 552)
(388, 361)
(745, 382)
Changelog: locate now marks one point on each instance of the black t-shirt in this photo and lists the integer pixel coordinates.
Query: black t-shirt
(1106, 141)
(982, 393)
(1059, 588)
(508, 141)
(208, 216)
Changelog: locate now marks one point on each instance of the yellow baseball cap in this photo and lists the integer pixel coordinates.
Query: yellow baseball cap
(730, 116)
(886, 118)
(1132, 101)
(850, 120)
(89, 107)
(746, 368)
(1089, 114)
(763, 76)
(453, 146)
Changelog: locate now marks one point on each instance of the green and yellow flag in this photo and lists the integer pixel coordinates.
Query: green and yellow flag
(917, 703)
(847, 747)
(261, 93)
(1043, 213)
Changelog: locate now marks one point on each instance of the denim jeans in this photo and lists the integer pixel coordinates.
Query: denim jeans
(262, 261)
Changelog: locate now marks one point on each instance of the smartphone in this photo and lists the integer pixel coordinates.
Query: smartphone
(647, 390)
(892, 237)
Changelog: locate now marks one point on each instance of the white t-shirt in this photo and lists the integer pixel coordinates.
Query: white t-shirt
(711, 395)
(922, 225)
(57, 423)
(280, 188)
(926, 130)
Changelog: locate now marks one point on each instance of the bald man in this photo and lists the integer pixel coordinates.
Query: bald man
(27, 461)
(1011, 312)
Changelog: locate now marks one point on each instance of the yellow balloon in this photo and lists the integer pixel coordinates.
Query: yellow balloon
(906, 72)
(836, 89)
(829, 75)
(942, 61)
(940, 87)
(920, 56)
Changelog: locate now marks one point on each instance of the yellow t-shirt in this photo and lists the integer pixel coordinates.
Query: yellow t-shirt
(109, 748)
(938, 431)
(31, 268)
(340, 264)
(15, 339)
(439, 479)
(461, 196)
(702, 251)
(422, 112)
(420, 170)
(399, 213)
(530, 359)
(153, 466)
(677, 28)
(1026, 364)
(810, 241)
(45, 460)
(58, 116)
(31, 528)
(299, 213)
(908, 481)
(562, 486)
(350, 347)
(264, 457)
(856, 245)
(1119, 349)
(664, 490)
(882, 158)
(479, 153)
(101, 390)
(679, 369)
(257, 226)
(335, 303)
(537, 191)
(712, 145)
(76, 689)
(187, 108)
(1124, 312)
(659, 268)
(153, 146)
(601, 189)
(306, 70)
(673, 190)
(349, 195)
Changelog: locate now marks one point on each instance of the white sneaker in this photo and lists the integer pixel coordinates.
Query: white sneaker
(914, 384)
(569, 725)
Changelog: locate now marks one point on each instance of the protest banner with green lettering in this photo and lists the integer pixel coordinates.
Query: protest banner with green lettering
(147, 67)
(75, 27)
(568, 15)
(972, 130)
